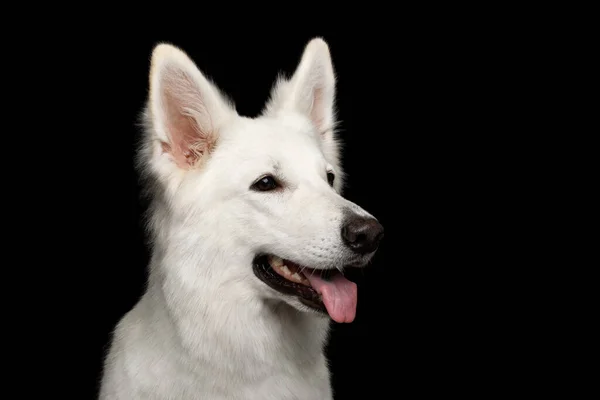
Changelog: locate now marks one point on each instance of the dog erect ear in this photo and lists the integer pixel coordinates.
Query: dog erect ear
(186, 109)
(311, 90)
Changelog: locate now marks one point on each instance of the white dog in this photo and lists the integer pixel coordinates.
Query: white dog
(250, 237)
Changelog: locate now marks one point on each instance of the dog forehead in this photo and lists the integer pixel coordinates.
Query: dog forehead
(276, 138)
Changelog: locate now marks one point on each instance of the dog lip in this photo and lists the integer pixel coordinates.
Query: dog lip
(306, 294)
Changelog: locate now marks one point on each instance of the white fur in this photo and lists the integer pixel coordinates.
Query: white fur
(206, 327)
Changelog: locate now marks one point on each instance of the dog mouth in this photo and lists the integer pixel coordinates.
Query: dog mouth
(323, 290)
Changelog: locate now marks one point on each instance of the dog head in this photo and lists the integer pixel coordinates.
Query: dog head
(256, 201)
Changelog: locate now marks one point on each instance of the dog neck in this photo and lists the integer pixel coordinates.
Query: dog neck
(210, 300)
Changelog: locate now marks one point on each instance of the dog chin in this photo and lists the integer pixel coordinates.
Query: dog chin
(324, 292)
(297, 304)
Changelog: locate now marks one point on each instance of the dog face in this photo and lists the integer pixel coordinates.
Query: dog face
(263, 193)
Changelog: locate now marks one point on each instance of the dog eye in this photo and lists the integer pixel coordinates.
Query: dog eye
(330, 178)
(265, 184)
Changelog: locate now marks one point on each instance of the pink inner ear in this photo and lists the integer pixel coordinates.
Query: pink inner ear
(183, 110)
(316, 113)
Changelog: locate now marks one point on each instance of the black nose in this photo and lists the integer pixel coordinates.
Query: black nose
(362, 234)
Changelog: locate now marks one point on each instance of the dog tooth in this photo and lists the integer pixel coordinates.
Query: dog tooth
(296, 276)
(286, 270)
(276, 261)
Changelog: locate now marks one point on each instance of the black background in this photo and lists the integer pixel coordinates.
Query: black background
(410, 104)
(451, 117)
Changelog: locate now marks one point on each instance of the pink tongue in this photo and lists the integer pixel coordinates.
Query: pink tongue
(339, 296)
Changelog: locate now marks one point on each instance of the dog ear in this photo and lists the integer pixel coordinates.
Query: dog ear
(186, 109)
(311, 90)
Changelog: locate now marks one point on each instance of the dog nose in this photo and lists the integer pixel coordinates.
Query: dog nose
(362, 234)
